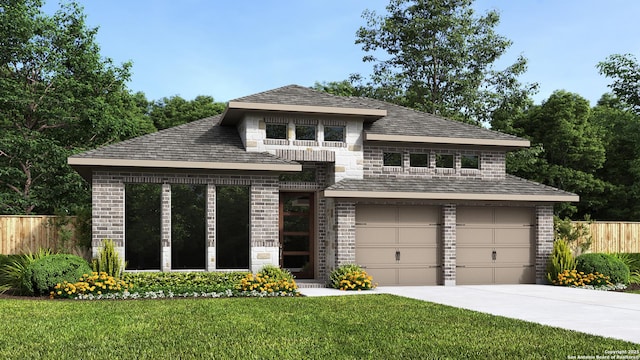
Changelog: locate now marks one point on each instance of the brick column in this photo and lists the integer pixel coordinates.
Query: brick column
(107, 214)
(211, 228)
(265, 246)
(544, 240)
(449, 244)
(345, 233)
(165, 236)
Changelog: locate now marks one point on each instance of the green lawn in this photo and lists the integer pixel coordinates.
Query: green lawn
(355, 327)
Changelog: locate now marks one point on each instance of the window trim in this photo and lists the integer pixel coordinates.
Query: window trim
(428, 164)
(344, 133)
(286, 131)
(315, 131)
(453, 161)
(392, 152)
(463, 156)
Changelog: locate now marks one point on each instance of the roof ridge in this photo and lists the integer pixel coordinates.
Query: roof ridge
(265, 92)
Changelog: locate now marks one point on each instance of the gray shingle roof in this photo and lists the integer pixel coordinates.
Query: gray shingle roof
(511, 185)
(198, 141)
(300, 95)
(399, 120)
(405, 121)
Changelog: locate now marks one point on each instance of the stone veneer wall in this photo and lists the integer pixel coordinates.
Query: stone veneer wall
(346, 156)
(108, 211)
(492, 163)
(544, 240)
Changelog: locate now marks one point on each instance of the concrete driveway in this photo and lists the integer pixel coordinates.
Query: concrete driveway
(602, 313)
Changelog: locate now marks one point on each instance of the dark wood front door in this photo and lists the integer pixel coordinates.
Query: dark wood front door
(296, 233)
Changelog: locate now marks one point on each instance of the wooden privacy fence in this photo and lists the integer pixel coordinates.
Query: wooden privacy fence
(614, 237)
(24, 233)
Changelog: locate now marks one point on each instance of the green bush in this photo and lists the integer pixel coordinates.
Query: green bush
(350, 277)
(12, 272)
(560, 261)
(108, 260)
(42, 275)
(183, 282)
(276, 273)
(631, 259)
(605, 264)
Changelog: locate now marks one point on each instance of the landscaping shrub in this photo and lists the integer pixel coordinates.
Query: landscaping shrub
(561, 260)
(271, 280)
(632, 260)
(351, 277)
(108, 260)
(184, 282)
(580, 279)
(13, 271)
(42, 275)
(605, 264)
(90, 284)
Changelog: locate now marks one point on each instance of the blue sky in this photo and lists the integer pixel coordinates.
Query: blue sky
(229, 49)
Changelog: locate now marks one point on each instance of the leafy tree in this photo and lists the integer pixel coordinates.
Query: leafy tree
(58, 96)
(437, 56)
(621, 137)
(339, 88)
(567, 151)
(173, 111)
(625, 72)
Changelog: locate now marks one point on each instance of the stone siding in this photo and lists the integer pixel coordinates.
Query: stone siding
(346, 156)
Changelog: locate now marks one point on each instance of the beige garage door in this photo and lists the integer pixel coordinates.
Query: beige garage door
(399, 245)
(495, 245)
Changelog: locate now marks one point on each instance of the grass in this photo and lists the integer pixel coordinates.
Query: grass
(348, 327)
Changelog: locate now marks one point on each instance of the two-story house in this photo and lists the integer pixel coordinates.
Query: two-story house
(309, 181)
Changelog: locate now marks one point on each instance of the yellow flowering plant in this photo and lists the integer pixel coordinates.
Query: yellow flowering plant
(580, 279)
(94, 283)
(351, 277)
(269, 280)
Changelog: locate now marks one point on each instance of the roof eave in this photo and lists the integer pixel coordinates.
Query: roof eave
(234, 110)
(103, 162)
(515, 143)
(449, 196)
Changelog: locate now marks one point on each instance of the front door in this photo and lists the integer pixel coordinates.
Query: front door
(296, 233)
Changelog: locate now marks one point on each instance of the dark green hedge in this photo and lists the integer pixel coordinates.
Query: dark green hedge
(605, 264)
(183, 282)
(43, 274)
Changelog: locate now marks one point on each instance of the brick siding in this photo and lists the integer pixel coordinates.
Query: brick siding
(492, 163)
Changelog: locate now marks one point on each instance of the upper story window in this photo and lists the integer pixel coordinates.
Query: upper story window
(392, 159)
(419, 160)
(305, 132)
(444, 161)
(334, 133)
(276, 131)
(470, 162)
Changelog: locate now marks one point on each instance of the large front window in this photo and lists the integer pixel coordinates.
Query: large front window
(232, 227)
(188, 226)
(142, 224)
